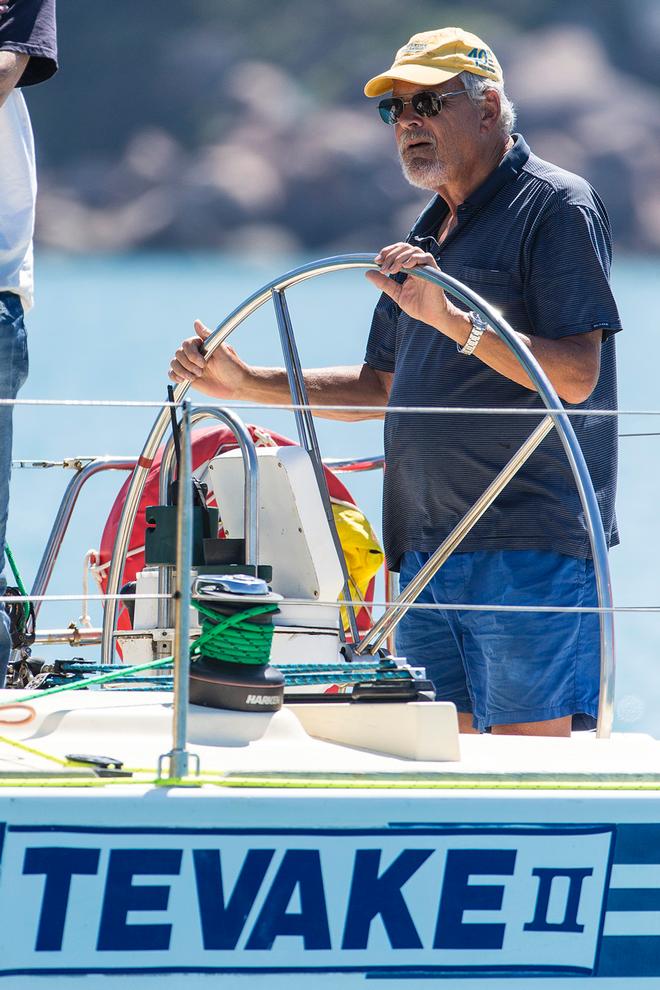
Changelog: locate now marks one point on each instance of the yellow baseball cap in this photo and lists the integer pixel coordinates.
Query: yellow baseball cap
(432, 57)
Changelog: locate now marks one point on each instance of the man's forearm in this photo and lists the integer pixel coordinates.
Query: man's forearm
(571, 363)
(350, 385)
(12, 66)
(224, 375)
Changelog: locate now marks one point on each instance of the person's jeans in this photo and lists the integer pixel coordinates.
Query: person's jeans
(13, 372)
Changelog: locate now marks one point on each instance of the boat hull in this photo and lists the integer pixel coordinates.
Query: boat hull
(276, 885)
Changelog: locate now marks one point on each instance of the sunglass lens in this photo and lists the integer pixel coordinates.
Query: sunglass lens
(390, 110)
(426, 104)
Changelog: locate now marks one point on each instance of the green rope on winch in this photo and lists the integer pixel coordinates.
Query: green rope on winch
(17, 579)
(209, 633)
(232, 638)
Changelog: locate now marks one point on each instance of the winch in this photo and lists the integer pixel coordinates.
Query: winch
(230, 667)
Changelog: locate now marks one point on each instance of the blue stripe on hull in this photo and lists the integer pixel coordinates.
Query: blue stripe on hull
(637, 844)
(629, 956)
(633, 899)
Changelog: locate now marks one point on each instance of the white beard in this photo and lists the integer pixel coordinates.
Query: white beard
(424, 173)
(430, 175)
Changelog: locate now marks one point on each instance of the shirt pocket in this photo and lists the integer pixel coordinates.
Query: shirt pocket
(502, 290)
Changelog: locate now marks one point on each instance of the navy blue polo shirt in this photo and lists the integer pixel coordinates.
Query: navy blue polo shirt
(29, 27)
(535, 241)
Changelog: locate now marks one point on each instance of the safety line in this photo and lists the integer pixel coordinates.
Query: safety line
(359, 603)
(33, 752)
(361, 783)
(76, 598)
(299, 407)
(444, 783)
(337, 464)
(459, 607)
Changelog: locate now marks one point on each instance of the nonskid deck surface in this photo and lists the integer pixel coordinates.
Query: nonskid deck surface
(136, 729)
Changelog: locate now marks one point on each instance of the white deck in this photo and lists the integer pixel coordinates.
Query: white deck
(136, 729)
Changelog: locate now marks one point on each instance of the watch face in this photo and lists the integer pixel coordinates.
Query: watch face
(479, 325)
(477, 321)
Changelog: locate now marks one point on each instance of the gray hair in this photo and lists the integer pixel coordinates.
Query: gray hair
(477, 86)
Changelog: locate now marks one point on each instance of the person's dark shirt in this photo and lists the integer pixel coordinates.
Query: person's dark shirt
(535, 242)
(29, 28)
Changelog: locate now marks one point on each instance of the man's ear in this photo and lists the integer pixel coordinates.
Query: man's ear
(490, 109)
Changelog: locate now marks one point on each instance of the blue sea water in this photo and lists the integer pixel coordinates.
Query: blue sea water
(106, 327)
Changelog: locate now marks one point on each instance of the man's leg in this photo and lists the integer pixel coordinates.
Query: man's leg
(466, 723)
(551, 727)
(426, 637)
(532, 671)
(13, 372)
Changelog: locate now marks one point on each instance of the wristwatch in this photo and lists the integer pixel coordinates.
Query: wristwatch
(479, 325)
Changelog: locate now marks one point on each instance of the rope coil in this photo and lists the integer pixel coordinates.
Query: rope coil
(233, 638)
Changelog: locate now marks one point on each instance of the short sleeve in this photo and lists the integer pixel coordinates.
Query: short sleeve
(381, 345)
(30, 28)
(567, 286)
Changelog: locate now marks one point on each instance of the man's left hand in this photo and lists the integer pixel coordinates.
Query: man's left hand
(420, 299)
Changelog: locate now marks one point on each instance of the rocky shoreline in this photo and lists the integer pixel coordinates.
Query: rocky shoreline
(291, 175)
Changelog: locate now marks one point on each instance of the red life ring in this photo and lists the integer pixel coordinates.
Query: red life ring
(206, 444)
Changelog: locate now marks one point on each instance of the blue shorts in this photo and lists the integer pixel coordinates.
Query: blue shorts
(507, 667)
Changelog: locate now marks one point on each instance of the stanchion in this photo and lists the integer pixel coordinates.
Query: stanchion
(179, 758)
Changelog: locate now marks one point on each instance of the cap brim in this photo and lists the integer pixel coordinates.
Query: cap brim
(419, 75)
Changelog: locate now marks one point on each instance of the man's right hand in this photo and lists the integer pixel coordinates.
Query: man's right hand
(223, 376)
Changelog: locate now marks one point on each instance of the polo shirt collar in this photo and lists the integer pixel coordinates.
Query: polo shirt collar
(510, 166)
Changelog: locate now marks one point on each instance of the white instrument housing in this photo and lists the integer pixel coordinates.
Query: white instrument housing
(294, 533)
(294, 537)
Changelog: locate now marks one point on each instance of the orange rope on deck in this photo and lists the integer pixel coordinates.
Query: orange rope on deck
(30, 714)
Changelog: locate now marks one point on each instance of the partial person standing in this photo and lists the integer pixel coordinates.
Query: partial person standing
(535, 241)
(28, 55)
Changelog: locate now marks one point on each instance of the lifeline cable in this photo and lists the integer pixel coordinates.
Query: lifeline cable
(359, 603)
(301, 407)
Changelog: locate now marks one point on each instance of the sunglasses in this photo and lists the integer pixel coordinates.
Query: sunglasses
(425, 104)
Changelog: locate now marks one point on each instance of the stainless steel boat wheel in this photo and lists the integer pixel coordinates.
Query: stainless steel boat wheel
(275, 292)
